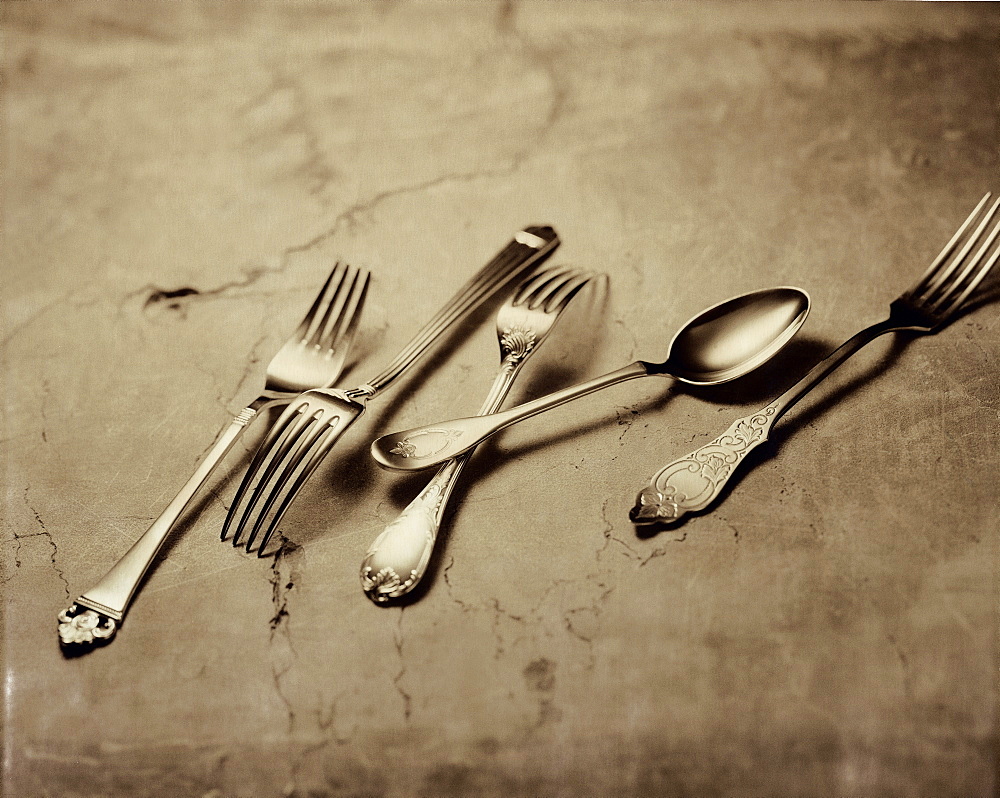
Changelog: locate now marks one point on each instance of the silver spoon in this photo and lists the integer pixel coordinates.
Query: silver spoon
(724, 342)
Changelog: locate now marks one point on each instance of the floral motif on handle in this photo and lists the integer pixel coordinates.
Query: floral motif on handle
(403, 547)
(439, 439)
(694, 481)
(83, 627)
(515, 345)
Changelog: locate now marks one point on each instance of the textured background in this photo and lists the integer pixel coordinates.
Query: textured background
(830, 628)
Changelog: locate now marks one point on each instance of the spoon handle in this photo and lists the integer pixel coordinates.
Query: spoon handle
(423, 447)
(694, 481)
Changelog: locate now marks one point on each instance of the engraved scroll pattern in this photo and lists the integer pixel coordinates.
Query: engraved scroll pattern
(694, 481)
(516, 344)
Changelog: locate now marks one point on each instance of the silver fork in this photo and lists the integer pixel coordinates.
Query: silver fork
(313, 356)
(406, 544)
(314, 422)
(695, 481)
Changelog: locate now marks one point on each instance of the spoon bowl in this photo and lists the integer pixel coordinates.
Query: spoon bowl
(722, 343)
(732, 338)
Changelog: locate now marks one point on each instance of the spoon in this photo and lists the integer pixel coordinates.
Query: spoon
(726, 341)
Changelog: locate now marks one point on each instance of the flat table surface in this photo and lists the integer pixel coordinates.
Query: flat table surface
(178, 178)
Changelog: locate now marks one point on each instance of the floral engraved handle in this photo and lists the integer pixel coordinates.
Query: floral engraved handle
(516, 344)
(398, 558)
(695, 481)
(426, 443)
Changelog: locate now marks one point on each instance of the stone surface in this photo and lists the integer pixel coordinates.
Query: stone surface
(177, 180)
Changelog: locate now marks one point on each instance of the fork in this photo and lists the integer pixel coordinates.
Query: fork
(313, 356)
(315, 421)
(696, 480)
(406, 544)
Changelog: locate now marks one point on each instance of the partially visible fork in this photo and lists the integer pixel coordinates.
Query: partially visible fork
(313, 357)
(315, 421)
(406, 544)
(696, 480)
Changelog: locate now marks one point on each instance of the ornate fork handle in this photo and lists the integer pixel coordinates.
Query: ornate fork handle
(95, 614)
(693, 482)
(398, 558)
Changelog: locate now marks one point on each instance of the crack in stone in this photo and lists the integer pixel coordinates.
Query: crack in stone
(661, 550)
(177, 299)
(24, 325)
(626, 417)
(48, 536)
(559, 93)
(628, 331)
(282, 580)
(46, 391)
(397, 679)
(610, 537)
(295, 122)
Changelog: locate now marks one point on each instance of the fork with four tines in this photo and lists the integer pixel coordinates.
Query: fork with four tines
(693, 482)
(313, 357)
(398, 558)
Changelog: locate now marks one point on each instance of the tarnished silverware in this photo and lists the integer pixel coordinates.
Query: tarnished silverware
(398, 558)
(313, 356)
(694, 481)
(313, 423)
(724, 342)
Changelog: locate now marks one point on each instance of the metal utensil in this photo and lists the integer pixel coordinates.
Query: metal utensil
(720, 344)
(695, 480)
(313, 356)
(313, 423)
(406, 544)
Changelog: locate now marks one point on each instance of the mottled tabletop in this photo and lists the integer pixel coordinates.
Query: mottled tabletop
(178, 178)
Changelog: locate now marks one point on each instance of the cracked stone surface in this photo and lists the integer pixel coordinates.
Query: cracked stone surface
(178, 179)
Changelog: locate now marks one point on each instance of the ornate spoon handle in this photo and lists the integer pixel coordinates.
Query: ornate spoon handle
(397, 559)
(694, 481)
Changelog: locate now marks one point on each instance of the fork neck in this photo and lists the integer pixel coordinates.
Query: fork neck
(832, 361)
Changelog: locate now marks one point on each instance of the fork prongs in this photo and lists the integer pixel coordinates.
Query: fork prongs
(307, 456)
(550, 288)
(940, 290)
(284, 430)
(334, 330)
(288, 454)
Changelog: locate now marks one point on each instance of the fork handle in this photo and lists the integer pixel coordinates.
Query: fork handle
(694, 481)
(528, 247)
(397, 559)
(110, 597)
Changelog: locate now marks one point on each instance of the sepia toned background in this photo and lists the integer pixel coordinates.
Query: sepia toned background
(178, 178)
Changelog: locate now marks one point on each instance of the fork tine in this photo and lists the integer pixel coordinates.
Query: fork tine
(303, 328)
(532, 287)
(286, 425)
(334, 306)
(273, 434)
(277, 454)
(340, 334)
(316, 454)
(943, 281)
(935, 272)
(955, 302)
(289, 460)
(562, 294)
